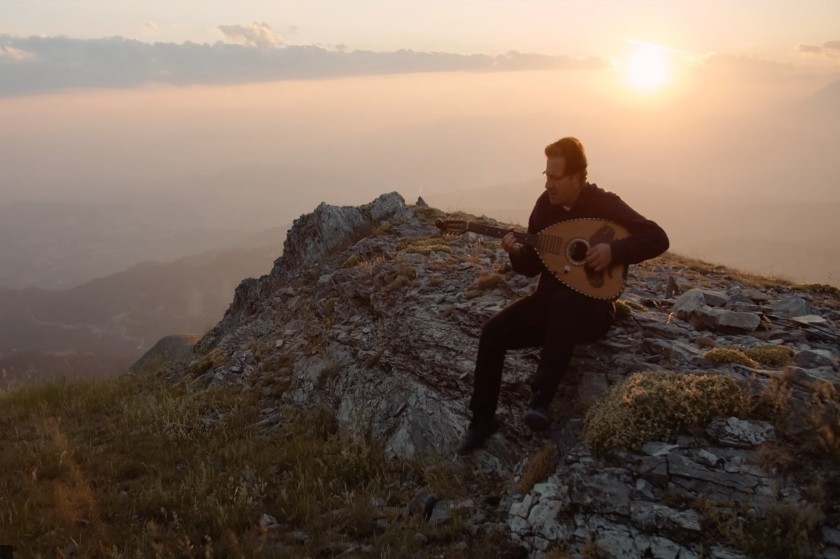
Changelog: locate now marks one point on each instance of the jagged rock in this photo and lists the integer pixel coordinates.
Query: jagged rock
(372, 315)
(791, 306)
(653, 517)
(171, 350)
(814, 358)
(809, 319)
(700, 308)
(689, 302)
(671, 288)
(316, 234)
(740, 433)
(708, 318)
(422, 504)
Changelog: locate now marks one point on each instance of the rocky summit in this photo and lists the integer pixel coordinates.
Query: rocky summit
(705, 424)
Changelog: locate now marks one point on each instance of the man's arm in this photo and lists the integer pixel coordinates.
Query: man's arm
(647, 239)
(524, 259)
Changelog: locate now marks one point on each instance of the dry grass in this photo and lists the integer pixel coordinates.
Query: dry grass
(770, 355)
(539, 467)
(825, 421)
(489, 280)
(706, 273)
(726, 355)
(138, 467)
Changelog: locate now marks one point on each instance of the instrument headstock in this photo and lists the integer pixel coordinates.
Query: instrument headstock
(452, 226)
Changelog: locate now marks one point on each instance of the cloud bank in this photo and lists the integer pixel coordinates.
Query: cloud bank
(31, 65)
(828, 48)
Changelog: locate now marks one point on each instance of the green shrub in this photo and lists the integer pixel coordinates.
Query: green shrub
(655, 405)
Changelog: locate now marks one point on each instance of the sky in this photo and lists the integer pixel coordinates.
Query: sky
(341, 100)
(557, 27)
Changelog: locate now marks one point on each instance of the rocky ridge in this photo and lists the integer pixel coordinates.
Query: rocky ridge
(373, 314)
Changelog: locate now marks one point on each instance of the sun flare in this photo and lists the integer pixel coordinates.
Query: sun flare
(646, 68)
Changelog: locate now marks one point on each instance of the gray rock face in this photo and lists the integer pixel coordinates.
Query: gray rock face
(700, 308)
(316, 234)
(371, 314)
(171, 350)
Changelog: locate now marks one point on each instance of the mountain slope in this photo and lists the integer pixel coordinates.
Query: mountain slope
(120, 316)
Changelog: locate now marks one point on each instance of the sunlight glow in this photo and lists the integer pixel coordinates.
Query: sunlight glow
(646, 68)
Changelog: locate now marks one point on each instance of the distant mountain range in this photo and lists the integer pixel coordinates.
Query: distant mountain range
(103, 325)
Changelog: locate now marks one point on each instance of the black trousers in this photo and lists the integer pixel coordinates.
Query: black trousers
(556, 321)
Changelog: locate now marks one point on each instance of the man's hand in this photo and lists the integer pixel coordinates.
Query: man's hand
(599, 257)
(511, 245)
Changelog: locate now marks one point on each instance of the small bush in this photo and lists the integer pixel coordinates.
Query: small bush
(215, 358)
(770, 355)
(774, 458)
(655, 406)
(784, 531)
(704, 342)
(723, 355)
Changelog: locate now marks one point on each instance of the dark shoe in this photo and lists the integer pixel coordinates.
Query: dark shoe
(536, 418)
(478, 432)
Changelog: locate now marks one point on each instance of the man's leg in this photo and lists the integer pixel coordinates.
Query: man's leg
(572, 319)
(516, 326)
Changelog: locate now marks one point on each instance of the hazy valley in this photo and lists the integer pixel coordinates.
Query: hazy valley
(103, 325)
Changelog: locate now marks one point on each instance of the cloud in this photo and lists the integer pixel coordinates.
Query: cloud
(747, 67)
(11, 53)
(150, 27)
(57, 63)
(256, 35)
(828, 48)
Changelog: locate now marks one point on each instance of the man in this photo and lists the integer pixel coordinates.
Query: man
(554, 317)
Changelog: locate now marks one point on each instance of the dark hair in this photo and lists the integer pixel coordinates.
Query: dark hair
(572, 151)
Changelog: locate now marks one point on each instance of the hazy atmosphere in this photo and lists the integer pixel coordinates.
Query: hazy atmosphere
(150, 131)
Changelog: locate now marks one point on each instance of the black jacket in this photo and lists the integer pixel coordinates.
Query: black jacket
(646, 239)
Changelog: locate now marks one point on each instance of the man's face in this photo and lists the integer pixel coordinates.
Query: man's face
(562, 189)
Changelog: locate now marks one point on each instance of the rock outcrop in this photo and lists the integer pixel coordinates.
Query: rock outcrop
(371, 313)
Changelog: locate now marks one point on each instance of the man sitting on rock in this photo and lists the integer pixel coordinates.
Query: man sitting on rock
(554, 317)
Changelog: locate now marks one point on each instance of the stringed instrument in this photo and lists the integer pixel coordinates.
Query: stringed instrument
(562, 248)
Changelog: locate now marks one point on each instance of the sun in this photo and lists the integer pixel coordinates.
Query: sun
(646, 68)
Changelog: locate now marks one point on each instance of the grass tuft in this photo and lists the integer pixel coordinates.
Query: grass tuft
(540, 466)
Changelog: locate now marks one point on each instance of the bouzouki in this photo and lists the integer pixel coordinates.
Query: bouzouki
(562, 248)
